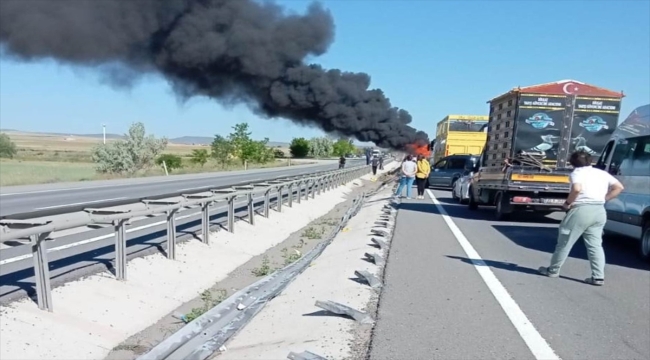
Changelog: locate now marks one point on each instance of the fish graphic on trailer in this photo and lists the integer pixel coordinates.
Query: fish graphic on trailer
(594, 124)
(540, 121)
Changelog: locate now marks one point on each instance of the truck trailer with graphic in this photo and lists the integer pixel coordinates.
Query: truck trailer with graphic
(531, 133)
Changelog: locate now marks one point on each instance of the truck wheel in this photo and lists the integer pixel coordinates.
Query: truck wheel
(501, 213)
(644, 245)
(471, 203)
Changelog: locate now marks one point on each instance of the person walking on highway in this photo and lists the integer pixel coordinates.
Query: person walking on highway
(586, 216)
(341, 162)
(408, 171)
(422, 175)
(381, 162)
(375, 163)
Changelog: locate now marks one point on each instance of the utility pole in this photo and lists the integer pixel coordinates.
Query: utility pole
(104, 132)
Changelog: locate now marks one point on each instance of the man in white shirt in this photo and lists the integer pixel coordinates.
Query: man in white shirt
(586, 216)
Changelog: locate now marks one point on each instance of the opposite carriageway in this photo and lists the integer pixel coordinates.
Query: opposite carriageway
(179, 214)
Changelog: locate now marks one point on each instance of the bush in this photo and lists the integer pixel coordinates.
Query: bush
(171, 161)
(199, 156)
(278, 154)
(130, 155)
(7, 147)
(299, 147)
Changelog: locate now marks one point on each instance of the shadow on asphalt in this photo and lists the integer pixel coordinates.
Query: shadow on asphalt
(618, 251)
(506, 266)
(459, 211)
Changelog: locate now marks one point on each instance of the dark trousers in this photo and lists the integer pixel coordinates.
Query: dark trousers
(374, 170)
(421, 184)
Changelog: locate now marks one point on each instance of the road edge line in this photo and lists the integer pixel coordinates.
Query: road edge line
(539, 347)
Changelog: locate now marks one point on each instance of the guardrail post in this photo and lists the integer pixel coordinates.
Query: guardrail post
(290, 195)
(120, 248)
(39, 256)
(251, 209)
(299, 197)
(171, 223)
(267, 202)
(42, 271)
(231, 214)
(308, 185)
(279, 206)
(171, 234)
(205, 215)
(205, 222)
(314, 185)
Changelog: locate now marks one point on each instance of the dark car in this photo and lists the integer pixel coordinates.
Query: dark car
(447, 170)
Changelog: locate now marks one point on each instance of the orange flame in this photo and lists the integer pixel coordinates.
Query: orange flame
(415, 149)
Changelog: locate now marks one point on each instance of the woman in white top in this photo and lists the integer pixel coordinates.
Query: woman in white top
(408, 171)
(586, 216)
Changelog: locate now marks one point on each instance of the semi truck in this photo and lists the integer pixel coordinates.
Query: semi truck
(459, 134)
(531, 133)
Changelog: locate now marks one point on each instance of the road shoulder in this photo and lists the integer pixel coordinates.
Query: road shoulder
(292, 323)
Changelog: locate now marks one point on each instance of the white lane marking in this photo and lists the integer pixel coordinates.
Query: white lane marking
(533, 339)
(91, 240)
(79, 203)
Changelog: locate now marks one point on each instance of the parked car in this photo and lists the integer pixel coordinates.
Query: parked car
(460, 191)
(448, 170)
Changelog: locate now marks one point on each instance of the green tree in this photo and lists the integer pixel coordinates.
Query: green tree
(320, 147)
(7, 147)
(136, 152)
(299, 147)
(171, 161)
(343, 147)
(222, 150)
(243, 147)
(199, 156)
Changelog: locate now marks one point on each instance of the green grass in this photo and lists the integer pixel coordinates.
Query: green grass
(42, 172)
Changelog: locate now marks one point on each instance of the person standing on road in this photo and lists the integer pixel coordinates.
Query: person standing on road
(375, 163)
(381, 162)
(408, 171)
(586, 216)
(341, 162)
(422, 175)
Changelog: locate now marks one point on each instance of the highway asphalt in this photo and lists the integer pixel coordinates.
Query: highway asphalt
(81, 254)
(467, 288)
(46, 200)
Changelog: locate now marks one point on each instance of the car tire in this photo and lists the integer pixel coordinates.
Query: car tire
(499, 213)
(471, 203)
(644, 244)
(453, 195)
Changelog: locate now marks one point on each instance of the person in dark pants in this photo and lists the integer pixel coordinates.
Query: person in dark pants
(381, 163)
(422, 175)
(375, 164)
(342, 162)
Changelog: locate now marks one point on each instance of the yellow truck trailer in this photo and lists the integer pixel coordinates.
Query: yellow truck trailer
(460, 134)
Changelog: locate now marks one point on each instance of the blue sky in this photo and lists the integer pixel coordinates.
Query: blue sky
(431, 58)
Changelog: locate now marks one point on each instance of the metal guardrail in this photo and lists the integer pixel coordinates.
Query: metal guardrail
(199, 339)
(39, 232)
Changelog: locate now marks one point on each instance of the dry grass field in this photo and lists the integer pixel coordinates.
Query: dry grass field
(44, 158)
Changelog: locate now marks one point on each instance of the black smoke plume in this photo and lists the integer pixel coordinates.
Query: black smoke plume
(229, 50)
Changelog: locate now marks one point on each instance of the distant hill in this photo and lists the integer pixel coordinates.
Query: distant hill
(183, 140)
